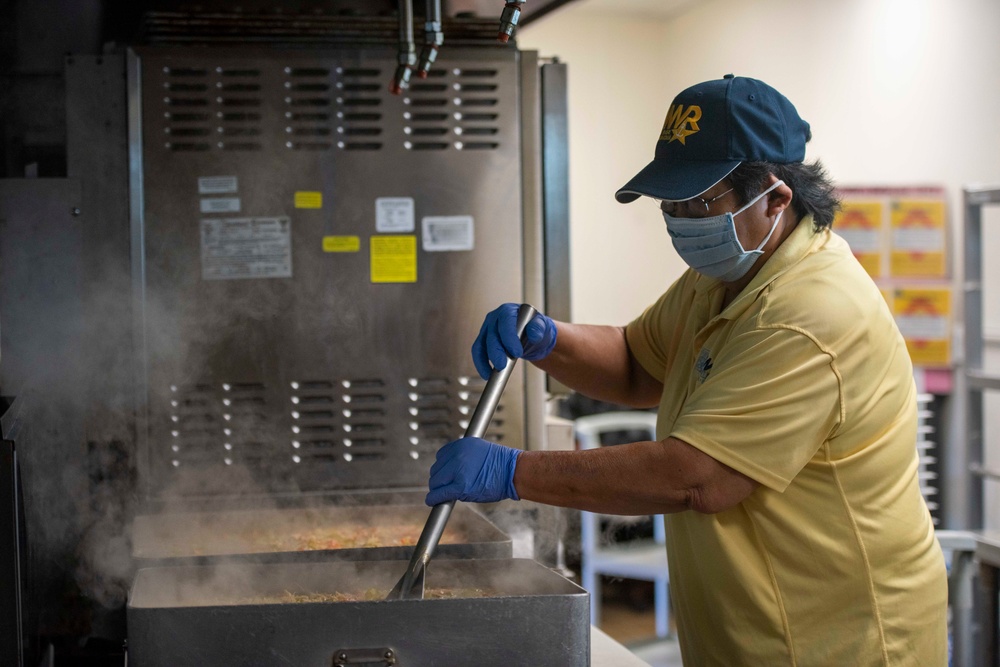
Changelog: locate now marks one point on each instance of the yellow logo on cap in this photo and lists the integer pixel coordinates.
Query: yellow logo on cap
(681, 122)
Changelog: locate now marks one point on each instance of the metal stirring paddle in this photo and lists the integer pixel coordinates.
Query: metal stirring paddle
(411, 584)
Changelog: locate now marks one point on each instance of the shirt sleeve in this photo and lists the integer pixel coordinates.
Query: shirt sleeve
(771, 400)
(653, 337)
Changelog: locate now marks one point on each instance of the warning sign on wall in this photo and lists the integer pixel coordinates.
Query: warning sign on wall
(394, 259)
(240, 248)
(860, 223)
(899, 234)
(918, 238)
(923, 315)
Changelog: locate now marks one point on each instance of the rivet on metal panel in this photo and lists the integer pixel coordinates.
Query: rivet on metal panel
(384, 656)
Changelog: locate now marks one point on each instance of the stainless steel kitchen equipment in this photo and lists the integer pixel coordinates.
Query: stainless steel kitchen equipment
(308, 247)
(16, 627)
(307, 250)
(174, 313)
(311, 534)
(411, 584)
(227, 615)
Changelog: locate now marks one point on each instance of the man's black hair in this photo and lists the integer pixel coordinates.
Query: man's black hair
(813, 193)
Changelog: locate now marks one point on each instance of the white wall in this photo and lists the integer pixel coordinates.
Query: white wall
(896, 91)
(621, 258)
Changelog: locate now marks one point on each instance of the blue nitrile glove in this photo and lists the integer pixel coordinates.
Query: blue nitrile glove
(498, 339)
(473, 470)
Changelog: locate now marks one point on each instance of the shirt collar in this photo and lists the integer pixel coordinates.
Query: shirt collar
(803, 241)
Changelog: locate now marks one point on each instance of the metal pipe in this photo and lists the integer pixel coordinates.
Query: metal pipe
(413, 578)
(508, 20)
(407, 54)
(433, 38)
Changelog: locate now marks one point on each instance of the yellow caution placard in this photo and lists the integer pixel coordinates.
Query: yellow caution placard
(860, 224)
(341, 243)
(305, 199)
(899, 234)
(918, 238)
(394, 259)
(923, 315)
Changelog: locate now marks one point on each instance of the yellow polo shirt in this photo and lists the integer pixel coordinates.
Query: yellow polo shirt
(802, 383)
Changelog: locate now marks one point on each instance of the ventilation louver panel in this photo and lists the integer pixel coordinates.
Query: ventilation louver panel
(240, 114)
(455, 109)
(308, 108)
(211, 108)
(346, 421)
(359, 109)
(222, 108)
(341, 421)
(218, 424)
(477, 98)
(427, 117)
(439, 410)
(187, 109)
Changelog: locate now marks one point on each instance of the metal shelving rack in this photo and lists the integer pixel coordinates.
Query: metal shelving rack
(966, 470)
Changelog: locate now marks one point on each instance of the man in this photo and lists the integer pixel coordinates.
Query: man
(796, 532)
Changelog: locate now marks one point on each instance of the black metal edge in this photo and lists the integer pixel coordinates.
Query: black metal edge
(10, 411)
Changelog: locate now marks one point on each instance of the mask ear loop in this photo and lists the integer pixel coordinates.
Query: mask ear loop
(773, 227)
(757, 198)
(776, 218)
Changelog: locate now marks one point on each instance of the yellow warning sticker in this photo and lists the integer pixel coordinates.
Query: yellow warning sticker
(394, 259)
(304, 199)
(341, 243)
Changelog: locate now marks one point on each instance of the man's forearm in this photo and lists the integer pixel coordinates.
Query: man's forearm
(625, 479)
(638, 478)
(595, 361)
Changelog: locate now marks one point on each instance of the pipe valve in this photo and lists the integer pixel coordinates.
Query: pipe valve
(401, 79)
(508, 20)
(434, 40)
(407, 54)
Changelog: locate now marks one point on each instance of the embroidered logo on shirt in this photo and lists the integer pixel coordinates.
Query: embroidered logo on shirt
(704, 364)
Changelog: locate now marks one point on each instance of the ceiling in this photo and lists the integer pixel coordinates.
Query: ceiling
(531, 10)
(661, 9)
(536, 9)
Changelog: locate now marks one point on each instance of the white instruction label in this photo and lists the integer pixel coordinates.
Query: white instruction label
(216, 185)
(394, 215)
(448, 233)
(918, 240)
(862, 240)
(221, 205)
(246, 248)
(923, 327)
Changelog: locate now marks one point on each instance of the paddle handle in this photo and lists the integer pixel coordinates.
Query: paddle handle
(438, 519)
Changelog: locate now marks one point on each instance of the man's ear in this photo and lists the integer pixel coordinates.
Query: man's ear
(779, 198)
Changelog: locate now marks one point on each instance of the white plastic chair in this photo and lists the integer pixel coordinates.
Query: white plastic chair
(642, 559)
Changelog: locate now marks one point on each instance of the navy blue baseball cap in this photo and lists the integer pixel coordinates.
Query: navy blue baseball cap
(710, 129)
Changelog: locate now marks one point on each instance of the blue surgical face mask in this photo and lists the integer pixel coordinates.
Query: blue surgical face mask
(711, 247)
